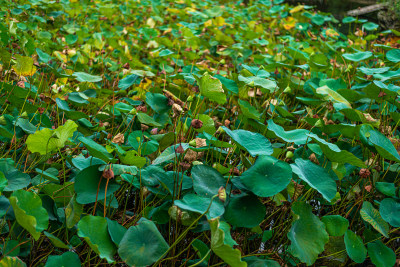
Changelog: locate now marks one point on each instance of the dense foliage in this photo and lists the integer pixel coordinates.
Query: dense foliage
(196, 133)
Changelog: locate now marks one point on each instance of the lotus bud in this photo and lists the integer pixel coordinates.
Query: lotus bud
(3, 121)
(319, 123)
(154, 131)
(222, 194)
(287, 90)
(289, 154)
(24, 115)
(193, 142)
(133, 111)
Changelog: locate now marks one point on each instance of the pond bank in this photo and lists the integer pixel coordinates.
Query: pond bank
(340, 8)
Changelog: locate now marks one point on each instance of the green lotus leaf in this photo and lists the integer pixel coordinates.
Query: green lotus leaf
(198, 204)
(298, 136)
(3, 182)
(128, 81)
(393, 55)
(44, 57)
(248, 110)
(227, 230)
(73, 212)
(388, 189)
(258, 261)
(230, 256)
(390, 211)
(142, 245)
(85, 77)
(255, 143)
(157, 102)
(96, 150)
(333, 96)
(95, 232)
(380, 142)
(381, 255)
(11, 248)
(265, 85)
(307, 235)
(267, 177)
(347, 20)
(335, 154)
(355, 247)
(228, 84)
(211, 88)
(146, 119)
(316, 177)
(116, 231)
(87, 185)
(29, 212)
(169, 153)
(245, 206)
(68, 259)
(55, 241)
(336, 225)
(359, 56)
(15, 179)
(370, 26)
(207, 180)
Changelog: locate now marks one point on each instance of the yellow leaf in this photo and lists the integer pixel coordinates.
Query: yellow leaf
(296, 9)
(331, 33)
(151, 22)
(208, 23)
(167, 31)
(259, 28)
(289, 23)
(24, 66)
(63, 81)
(173, 10)
(219, 21)
(252, 24)
(190, 9)
(145, 84)
(127, 53)
(60, 56)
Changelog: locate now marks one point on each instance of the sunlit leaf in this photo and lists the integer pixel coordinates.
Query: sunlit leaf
(211, 88)
(372, 216)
